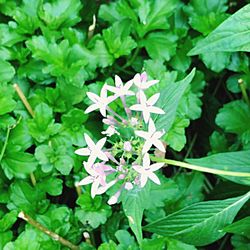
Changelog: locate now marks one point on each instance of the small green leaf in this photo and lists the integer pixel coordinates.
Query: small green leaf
(7, 71)
(7, 221)
(199, 224)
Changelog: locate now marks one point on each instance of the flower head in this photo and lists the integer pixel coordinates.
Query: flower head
(146, 171)
(99, 102)
(120, 89)
(151, 138)
(93, 150)
(140, 80)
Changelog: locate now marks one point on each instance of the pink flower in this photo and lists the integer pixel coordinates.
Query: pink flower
(146, 106)
(151, 138)
(93, 150)
(146, 171)
(140, 80)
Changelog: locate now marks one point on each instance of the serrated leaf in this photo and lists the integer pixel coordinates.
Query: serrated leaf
(199, 224)
(229, 36)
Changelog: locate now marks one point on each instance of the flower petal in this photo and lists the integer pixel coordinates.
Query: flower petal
(146, 160)
(142, 134)
(85, 181)
(82, 151)
(137, 107)
(153, 99)
(159, 145)
(89, 141)
(147, 146)
(156, 166)
(154, 178)
(156, 110)
(93, 97)
(92, 107)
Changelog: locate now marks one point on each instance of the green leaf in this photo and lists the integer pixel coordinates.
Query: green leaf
(134, 202)
(93, 211)
(234, 117)
(240, 242)
(206, 15)
(60, 13)
(241, 227)
(43, 126)
(7, 72)
(199, 224)
(117, 39)
(5, 237)
(169, 100)
(53, 156)
(229, 161)
(108, 246)
(18, 164)
(51, 185)
(173, 244)
(160, 45)
(7, 104)
(7, 221)
(229, 36)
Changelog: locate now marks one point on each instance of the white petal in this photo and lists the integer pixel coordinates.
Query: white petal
(153, 99)
(102, 156)
(146, 115)
(151, 83)
(142, 134)
(92, 107)
(118, 81)
(159, 145)
(143, 180)
(137, 107)
(94, 188)
(154, 178)
(156, 110)
(128, 84)
(87, 180)
(112, 89)
(143, 98)
(93, 97)
(138, 169)
(151, 126)
(147, 146)
(146, 160)
(156, 166)
(82, 151)
(89, 141)
(101, 143)
(104, 91)
(137, 80)
(103, 110)
(92, 158)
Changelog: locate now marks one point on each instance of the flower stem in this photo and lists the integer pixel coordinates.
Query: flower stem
(31, 112)
(53, 235)
(24, 100)
(115, 114)
(243, 91)
(127, 110)
(129, 62)
(199, 168)
(5, 143)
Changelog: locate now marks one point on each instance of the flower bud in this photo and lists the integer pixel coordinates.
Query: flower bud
(127, 146)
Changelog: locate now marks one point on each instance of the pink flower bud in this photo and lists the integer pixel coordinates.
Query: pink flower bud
(127, 146)
(113, 199)
(128, 186)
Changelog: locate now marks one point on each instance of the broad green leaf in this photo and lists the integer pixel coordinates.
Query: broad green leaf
(7, 221)
(232, 35)
(241, 227)
(199, 224)
(230, 161)
(206, 15)
(160, 45)
(118, 40)
(240, 242)
(5, 237)
(7, 71)
(173, 244)
(169, 100)
(108, 246)
(134, 202)
(93, 212)
(7, 104)
(51, 185)
(60, 13)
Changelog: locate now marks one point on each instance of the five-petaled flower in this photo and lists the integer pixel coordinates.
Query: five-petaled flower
(146, 106)
(151, 138)
(120, 89)
(140, 81)
(93, 150)
(99, 102)
(146, 171)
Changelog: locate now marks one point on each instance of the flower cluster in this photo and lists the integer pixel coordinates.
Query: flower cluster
(131, 135)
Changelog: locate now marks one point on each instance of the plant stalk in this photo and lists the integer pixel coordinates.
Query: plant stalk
(53, 235)
(5, 143)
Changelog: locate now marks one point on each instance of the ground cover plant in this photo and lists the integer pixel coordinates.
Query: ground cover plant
(124, 124)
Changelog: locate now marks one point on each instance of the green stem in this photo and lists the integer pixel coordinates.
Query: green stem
(244, 91)
(129, 62)
(199, 168)
(5, 143)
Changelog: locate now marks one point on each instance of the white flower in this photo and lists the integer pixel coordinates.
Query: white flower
(127, 146)
(110, 131)
(146, 171)
(97, 177)
(134, 121)
(140, 80)
(100, 102)
(146, 106)
(151, 137)
(120, 89)
(93, 150)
